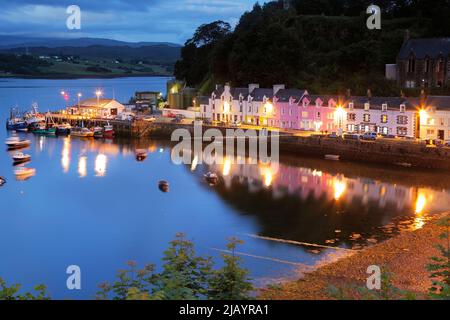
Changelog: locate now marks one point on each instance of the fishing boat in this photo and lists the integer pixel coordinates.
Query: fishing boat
(19, 157)
(33, 116)
(163, 185)
(81, 132)
(141, 154)
(15, 143)
(2, 181)
(23, 173)
(108, 131)
(16, 121)
(98, 132)
(63, 129)
(211, 177)
(45, 130)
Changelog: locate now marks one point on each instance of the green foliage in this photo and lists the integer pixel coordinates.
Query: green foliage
(440, 268)
(387, 291)
(21, 64)
(303, 48)
(231, 282)
(184, 276)
(13, 292)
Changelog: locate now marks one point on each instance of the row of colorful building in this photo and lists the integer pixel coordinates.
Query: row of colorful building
(427, 117)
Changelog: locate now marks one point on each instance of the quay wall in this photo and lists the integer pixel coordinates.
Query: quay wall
(382, 151)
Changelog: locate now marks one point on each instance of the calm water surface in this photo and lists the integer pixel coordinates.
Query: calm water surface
(92, 204)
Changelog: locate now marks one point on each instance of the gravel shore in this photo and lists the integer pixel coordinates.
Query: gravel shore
(405, 256)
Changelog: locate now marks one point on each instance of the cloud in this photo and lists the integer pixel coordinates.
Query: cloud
(138, 20)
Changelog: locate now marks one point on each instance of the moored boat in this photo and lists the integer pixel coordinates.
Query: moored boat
(15, 143)
(211, 177)
(141, 154)
(108, 131)
(23, 173)
(98, 132)
(63, 129)
(163, 185)
(21, 157)
(2, 181)
(81, 132)
(333, 157)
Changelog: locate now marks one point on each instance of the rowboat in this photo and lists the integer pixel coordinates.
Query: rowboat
(23, 172)
(2, 181)
(163, 185)
(98, 132)
(108, 131)
(141, 154)
(15, 142)
(21, 157)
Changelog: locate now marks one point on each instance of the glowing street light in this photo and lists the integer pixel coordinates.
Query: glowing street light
(423, 116)
(98, 93)
(79, 96)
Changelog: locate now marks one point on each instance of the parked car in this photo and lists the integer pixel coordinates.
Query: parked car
(369, 136)
(333, 135)
(352, 136)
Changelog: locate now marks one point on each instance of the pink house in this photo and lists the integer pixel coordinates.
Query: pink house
(296, 109)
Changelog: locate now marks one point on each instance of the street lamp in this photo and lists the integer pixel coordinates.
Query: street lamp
(340, 117)
(79, 96)
(98, 93)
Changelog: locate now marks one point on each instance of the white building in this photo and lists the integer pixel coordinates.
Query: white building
(435, 118)
(97, 108)
(384, 115)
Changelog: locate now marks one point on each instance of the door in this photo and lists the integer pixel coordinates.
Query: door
(441, 134)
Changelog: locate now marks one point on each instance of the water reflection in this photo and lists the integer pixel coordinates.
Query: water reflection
(82, 167)
(65, 155)
(100, 165)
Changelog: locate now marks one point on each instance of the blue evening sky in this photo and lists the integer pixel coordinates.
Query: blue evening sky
(134, 20)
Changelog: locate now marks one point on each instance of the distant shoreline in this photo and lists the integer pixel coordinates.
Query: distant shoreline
(74, 76)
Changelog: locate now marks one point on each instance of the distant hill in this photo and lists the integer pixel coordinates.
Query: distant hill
(8, 42)
(156, 53)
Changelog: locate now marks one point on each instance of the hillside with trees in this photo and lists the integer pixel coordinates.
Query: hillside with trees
(323, 46)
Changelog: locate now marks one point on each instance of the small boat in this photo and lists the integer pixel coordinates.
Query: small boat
(211, 177)
(332, 157)
(16, 124)
(24, 173)
(43, 129)
(163, 185)
(15, 143)
(2, 181)
(63, 129)
(141, 154)
(98, 132)
(108, 131)
(81, 132)
(21, 157)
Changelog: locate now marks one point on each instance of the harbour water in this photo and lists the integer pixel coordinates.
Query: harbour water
(92, 204)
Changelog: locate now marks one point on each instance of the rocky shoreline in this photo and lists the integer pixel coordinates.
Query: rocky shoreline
(405, 256)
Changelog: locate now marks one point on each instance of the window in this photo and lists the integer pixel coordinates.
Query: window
(402, 120)
(366, 117)
(430, 132)
(304, 114)
(290, 111)
(412, 64)
(350, 105)
(410, 84)
(402, 108)
(384, 130)
(351, 116)
(384, 107)
(427, 65)
(366, 106)
(350, 127)
(402, 131)
(318, 115)
(214, 106)
(249, 109)
(330, 116)
(440, 65)
(384, 118)
(240, 107)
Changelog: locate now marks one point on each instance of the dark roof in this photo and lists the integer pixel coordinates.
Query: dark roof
(439, 102)
(324, 98)
(259, 93)
(202, 99)
(377, 102)
(425, 47)
(235, 92)
(284, 95)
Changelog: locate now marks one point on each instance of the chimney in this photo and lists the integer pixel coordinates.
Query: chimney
(407, 36)
(252, 86)
(402, 94)
(369, 93)
(278, 87)
(227, 87)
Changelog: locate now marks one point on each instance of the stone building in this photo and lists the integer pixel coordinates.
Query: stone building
(423, 63)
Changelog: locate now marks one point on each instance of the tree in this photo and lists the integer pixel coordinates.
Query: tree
(231, 282)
